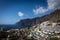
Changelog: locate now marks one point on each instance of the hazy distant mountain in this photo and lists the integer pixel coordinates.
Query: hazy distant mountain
(9, 26)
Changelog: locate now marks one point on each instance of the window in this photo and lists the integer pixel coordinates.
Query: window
(58, 21)
(49, 24)
(58, 24)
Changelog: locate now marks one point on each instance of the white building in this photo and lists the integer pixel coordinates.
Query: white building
(50, 26)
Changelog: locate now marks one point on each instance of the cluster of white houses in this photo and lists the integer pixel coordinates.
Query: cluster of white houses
(51, 26)
(48, 28)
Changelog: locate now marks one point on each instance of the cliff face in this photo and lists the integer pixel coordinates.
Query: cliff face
(54, 16)
(32, 22)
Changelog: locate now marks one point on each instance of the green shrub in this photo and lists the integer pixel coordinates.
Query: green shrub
(54, 38)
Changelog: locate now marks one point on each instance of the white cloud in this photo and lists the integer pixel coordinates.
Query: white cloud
(40, 10)
(20, 14)
(52, 5)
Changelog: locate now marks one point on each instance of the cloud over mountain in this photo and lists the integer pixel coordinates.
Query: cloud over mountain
(51, 5)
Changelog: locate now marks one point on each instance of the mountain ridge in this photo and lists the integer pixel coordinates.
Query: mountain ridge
(34, 21)
(38, 20)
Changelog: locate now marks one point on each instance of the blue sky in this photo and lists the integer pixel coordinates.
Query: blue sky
(12, 11)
